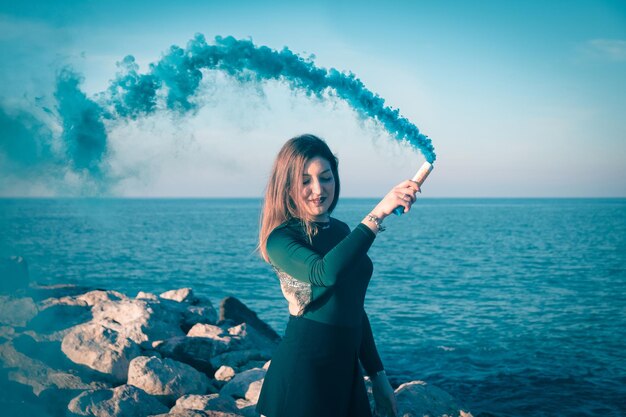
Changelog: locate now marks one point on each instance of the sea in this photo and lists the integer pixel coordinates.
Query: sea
(516, 307)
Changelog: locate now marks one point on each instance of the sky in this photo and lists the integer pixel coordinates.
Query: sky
(519, 98)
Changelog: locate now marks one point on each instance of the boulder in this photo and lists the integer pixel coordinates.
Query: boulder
(95, 297)
(196, 309)
(238, 359)
(246, 408)
(14, 273)
(54, 336)
(53, 387)
(122, 401)
(166, 378)
(47, 351)
(238, 345)
(139, 320)
(54, 316)
(16, 312)
(6, 333)
(210, 331)
(36, 374)
(100, 348)
(211, 402)
(418, 399)
(196, 413)
(141, 295)
(182, 295)
(195, 351)
(224, 373)
(17, 400)
(245, 385)
(234, 310)
(250, 338)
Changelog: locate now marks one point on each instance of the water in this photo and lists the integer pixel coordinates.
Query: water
(514, 306)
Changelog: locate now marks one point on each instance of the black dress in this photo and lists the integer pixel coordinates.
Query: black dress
(315, 370)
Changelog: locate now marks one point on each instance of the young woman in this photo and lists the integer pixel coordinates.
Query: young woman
(324, 271)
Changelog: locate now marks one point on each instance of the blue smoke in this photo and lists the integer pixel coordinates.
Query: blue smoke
(84, 133)
(179, 74)
(172, 84)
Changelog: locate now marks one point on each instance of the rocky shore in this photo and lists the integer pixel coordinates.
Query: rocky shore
(71, 351)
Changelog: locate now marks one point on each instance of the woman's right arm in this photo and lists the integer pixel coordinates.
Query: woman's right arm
(299, 260)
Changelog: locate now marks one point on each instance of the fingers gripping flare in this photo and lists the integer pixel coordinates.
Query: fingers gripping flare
(419, 178)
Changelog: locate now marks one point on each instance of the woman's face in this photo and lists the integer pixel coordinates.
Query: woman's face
(318, 188)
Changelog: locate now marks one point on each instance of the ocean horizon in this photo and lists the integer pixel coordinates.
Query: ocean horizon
(515, 306)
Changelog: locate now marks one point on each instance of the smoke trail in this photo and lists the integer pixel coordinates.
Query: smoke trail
(172, 84)
(179, 73)
(83, 130)
(25, 141)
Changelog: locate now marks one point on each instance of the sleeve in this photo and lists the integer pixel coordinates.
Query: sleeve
(302, 262)
(367, 353)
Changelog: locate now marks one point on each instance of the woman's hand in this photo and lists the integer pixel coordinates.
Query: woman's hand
(384, 397)
(402, 194)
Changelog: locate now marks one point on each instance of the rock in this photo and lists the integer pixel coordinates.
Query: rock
(196, 309)
(38, 375)
(63, 301)
(239, 345)
(95, 297)
(100, 348)
(123, 401)
(166, 378)
(210, 331)
(198, 314)
(47, 352)
(224, 373)
(250, 338)
(246, 408)
(53, 316)
(183, 295)
(14, 273)
(16, 312)
(195, 351)
(139, 320)
(200, 311)
(234, 310)
(55, 336)
(245, 385)
(17, 400)
(53, 387)
(211, 402)
(6, 333)
(418, 399)
(238, 358)
(195, 413)
(147, 296)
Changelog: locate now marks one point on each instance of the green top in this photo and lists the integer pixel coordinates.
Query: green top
(326, 281)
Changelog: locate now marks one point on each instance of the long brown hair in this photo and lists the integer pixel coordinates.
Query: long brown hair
(285, 185)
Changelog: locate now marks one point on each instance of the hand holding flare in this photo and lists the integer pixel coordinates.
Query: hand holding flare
(419, 177)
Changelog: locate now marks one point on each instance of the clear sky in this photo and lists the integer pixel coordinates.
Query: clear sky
(520, 98)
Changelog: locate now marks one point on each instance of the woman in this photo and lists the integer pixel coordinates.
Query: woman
(324, 271)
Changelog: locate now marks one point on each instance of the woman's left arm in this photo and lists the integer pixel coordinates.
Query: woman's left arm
(384, 396)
